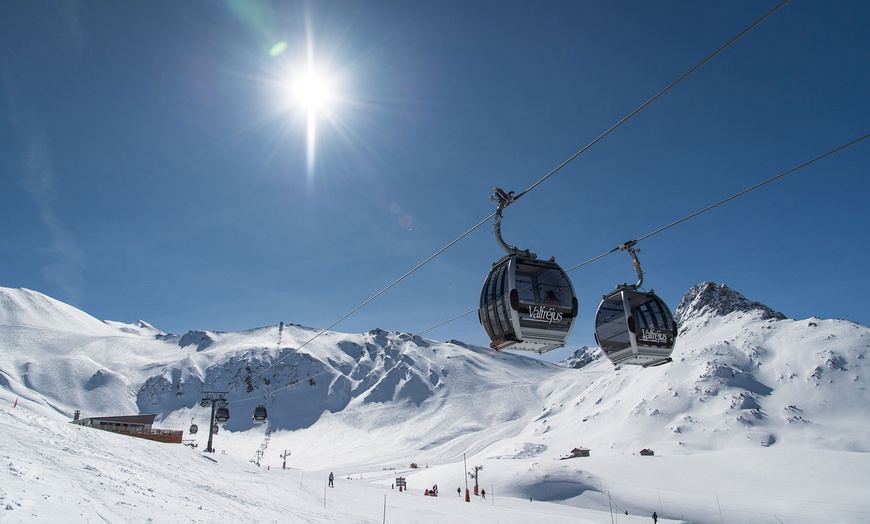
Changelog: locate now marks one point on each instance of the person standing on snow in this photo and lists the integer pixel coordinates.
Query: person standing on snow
(331, 478)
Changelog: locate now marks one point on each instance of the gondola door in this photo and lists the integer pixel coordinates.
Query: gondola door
(544, 303)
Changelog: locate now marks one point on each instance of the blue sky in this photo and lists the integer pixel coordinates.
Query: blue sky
(154, 166)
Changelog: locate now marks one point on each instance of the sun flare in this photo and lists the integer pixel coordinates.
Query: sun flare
(313, 92)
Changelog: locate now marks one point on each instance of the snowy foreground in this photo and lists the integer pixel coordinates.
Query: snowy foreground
(760, 418)
(57, 472)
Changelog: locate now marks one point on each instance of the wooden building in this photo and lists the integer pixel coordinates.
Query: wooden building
(132, 425)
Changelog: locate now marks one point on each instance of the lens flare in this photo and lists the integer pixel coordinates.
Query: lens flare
(277, 49)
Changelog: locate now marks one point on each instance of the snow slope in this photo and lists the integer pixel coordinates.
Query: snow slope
(753, 402)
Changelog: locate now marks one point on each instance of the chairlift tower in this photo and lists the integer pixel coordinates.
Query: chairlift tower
(216, 399)
(476, 476)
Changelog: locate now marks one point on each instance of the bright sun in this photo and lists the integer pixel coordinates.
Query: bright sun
(313, 92)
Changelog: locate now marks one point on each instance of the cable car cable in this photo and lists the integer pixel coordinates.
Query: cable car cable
(457, 317)
(547, 176)
(651, 100)
(687, 217)
(381, 292)
(732, 197)
(506, 199)
(513, 198)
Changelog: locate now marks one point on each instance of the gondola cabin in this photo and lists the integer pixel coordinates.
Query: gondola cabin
(528, 304)
(194, 429)
(259, 414)
(635, 327)
(222, 415)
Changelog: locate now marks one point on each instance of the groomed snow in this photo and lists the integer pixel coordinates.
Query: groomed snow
(759, 419)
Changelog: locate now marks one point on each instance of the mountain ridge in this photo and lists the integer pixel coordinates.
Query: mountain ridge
(743, 375)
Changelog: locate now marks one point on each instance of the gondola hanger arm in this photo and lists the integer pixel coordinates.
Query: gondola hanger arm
(504, 199)
(629, 246)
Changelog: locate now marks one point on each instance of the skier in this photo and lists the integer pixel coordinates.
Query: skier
(331, 478)
(483, 493)
(655, 517)
(459, 491)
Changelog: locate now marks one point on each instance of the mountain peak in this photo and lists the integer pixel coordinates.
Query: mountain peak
(709, 298)
(26, 308)
(581, 357)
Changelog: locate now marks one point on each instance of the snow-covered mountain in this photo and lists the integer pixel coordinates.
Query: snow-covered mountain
(744, 379)
(744, 375)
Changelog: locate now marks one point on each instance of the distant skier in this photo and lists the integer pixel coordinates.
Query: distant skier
(459, 491)
(655, 517)
(483, 493)
(331, 478)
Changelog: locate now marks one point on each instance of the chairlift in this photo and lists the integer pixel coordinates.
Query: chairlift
(259, 414)
(635, 327)
(525, 303)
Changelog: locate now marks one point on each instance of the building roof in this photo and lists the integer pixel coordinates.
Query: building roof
(129, 419)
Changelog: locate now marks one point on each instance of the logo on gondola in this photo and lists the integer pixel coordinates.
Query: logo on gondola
(541, 313)
(654, 335)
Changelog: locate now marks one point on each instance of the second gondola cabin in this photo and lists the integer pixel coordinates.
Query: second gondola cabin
(527, 304)
(222, 415)
(635, 327)
(259, 414)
